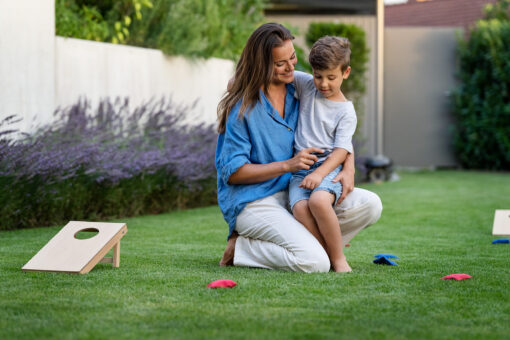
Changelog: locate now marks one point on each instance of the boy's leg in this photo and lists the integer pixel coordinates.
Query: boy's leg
(322, 209)
(360, 209)
(302, 213)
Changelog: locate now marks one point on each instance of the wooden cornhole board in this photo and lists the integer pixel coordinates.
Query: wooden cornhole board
(501, 223)
(65, 253)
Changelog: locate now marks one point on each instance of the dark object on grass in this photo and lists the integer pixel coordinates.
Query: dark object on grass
(222, 284)
(457, 277)
(385, 259)
(375, 169)
(501, 240)
(390, 256)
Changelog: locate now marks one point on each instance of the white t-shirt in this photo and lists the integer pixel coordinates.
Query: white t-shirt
(322, 123)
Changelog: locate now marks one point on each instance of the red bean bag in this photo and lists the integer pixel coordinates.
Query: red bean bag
(221, 284)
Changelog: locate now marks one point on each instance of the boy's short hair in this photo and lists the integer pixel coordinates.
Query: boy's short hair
(330, 52)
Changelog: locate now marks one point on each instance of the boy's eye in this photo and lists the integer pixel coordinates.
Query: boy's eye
(331, 78)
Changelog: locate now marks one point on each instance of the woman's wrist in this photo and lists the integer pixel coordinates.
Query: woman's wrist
(285, 165)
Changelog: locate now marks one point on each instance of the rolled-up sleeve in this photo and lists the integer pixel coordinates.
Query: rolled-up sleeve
(345, 130)
(236, 147)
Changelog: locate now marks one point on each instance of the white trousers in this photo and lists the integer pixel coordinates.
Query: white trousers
(270, 237)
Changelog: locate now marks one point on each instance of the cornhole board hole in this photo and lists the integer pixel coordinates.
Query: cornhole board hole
(68, 254)
(501, 223)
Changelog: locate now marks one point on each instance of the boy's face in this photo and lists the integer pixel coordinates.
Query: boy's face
(328, 81)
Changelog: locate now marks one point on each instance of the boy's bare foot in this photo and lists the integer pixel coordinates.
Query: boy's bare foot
(341, 266)
(228, 255)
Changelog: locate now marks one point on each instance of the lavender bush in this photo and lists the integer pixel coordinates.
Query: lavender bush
(107, 162)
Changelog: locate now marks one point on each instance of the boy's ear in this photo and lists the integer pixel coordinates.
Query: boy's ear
(347, 72)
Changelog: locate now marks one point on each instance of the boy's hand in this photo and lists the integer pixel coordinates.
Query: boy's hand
(311, 181)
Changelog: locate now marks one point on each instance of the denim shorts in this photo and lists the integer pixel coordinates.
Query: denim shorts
(297, 194)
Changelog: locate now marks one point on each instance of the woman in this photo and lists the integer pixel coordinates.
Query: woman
(254, 160)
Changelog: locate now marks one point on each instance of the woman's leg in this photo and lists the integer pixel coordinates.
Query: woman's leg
(270, 237)
(358, 210)
(322, 209)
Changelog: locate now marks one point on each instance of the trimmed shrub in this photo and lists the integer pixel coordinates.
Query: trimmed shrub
(481, 103)
(112, 162)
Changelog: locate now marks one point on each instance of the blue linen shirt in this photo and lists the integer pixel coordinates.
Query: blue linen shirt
(262, 136)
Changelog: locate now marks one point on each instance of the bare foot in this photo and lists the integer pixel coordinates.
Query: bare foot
(228, 255)
(341, 266)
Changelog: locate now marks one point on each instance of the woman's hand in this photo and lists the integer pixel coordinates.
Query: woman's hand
(303, 159)
(346, 177)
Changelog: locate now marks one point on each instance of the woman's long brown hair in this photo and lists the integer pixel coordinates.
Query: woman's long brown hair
(253, 71)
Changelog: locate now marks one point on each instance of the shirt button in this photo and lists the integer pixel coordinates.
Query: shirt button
(289, 129)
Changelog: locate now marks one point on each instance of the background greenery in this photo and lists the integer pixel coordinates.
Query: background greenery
(104, 162)
(100, 20)
(481, 104)
(193, 28)
(438, 223)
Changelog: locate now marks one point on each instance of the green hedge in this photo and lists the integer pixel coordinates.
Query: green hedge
(482, 101)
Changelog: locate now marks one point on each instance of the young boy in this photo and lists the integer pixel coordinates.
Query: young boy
(327, 120)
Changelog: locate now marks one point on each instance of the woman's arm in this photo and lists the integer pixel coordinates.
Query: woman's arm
(256, 173)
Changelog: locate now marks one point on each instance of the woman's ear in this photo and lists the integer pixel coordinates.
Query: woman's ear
(347, 72)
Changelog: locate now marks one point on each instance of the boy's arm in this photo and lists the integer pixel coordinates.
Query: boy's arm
(302, 82)
(335, 158)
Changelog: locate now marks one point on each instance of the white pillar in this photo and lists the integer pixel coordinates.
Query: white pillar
(27, 60)
(380, 76)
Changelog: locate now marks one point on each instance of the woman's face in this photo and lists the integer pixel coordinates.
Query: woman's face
(284, 58)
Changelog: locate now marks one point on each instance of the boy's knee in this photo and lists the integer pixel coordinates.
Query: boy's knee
(320, 201)
(300, 208)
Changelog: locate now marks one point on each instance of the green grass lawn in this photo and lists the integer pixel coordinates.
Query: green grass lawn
(438, 223)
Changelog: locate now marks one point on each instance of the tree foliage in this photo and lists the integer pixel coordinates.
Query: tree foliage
(193, 28)
(100, 20)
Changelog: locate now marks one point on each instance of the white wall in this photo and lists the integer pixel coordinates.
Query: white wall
(96, 70)
(27, 60)
(420, 66)
(40, 71)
